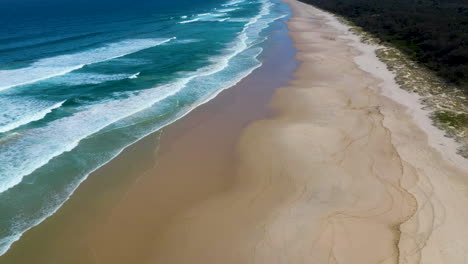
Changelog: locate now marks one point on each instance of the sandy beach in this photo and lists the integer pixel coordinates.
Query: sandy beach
(330, 168)
(341, 174)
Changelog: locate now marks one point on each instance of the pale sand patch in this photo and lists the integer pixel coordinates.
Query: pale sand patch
(342, 174)
(438, 232)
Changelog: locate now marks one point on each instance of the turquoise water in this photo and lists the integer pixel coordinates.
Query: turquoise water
(79, 82)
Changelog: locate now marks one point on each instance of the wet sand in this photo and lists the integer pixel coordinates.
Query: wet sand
(333, 171)
(116, 215)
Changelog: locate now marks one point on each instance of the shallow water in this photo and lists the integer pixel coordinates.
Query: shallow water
(80, 85)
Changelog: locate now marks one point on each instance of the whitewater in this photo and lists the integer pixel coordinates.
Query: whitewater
(70, 109)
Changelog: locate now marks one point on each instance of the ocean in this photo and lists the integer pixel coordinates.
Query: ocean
(82, 80)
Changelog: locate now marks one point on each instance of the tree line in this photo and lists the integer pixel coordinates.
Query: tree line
(432, 32)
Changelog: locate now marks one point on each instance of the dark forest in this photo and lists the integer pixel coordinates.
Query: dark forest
(433, 33)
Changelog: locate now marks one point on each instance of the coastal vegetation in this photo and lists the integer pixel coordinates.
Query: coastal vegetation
(432, 32)
(442, 82)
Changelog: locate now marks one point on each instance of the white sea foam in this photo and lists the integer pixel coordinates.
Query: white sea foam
(88, 78)
(32, 74)
(134, 76)
(233, 2)
(5, 242)
(63, 64)
(242, 20)
(25, 116)
(187, 41)
(38, 146)
(204, 17)
(44, 143)
(189, 21)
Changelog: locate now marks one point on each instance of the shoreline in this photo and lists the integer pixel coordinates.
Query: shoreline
(329, 168)
(106, 188)
(49, 210)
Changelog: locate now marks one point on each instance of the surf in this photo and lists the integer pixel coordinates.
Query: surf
(23, 118)
(86, 119)
(56, 66)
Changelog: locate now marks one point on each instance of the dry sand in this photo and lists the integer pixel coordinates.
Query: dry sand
(340, 174)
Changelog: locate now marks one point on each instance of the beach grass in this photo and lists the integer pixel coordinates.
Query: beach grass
(446, 102)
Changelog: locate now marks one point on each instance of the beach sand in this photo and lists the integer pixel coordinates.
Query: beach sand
(116, 215)
(335, 170)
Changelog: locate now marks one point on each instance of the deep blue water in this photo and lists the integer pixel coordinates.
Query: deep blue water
(82, 80)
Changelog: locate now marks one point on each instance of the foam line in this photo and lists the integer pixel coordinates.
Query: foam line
(28, 119)
(134, 76)
(76, 127)
(55, 66)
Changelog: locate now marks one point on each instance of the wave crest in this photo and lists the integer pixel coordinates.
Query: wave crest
(55, 66)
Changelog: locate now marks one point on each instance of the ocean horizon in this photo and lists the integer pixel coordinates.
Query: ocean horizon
(81, 82)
